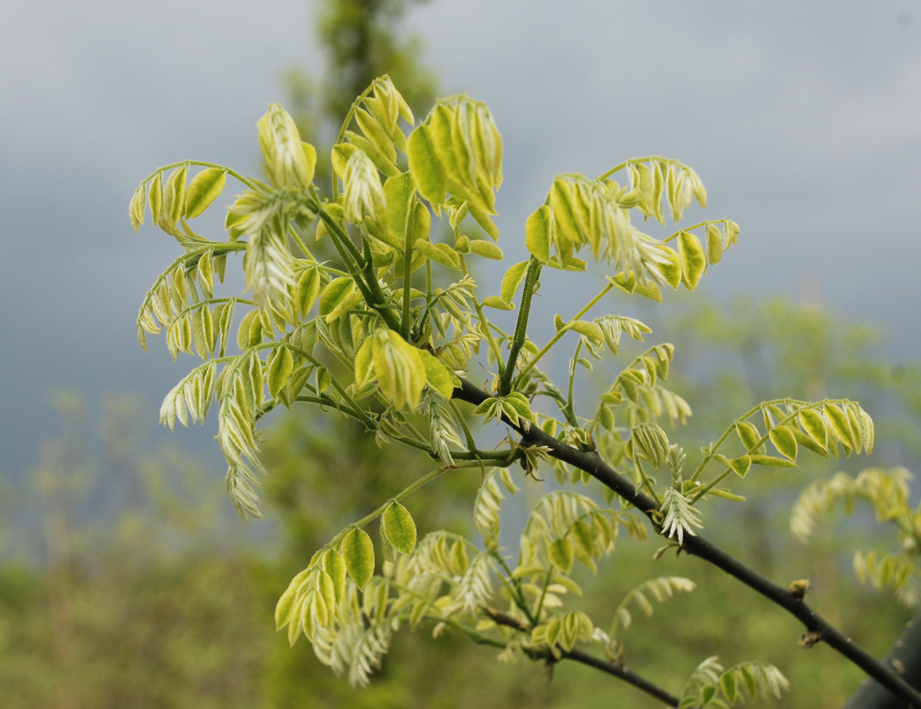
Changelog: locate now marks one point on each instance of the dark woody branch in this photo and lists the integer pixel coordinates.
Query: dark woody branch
(817, 628)
(616, 669)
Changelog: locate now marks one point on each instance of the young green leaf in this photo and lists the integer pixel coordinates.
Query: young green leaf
(427, 173)
(398, 192)
(714, 243)
(813, 425)
(438, 376)
(561, 553)
(741, 465)
(358, 554)
(334, 566)
(748, 434)
(137, 206)
(280, 369)
(840, 426)
(771, 461)
(494, 301)
(155, 197)
(513, 278)
(692, 258)
(175, 194)
(486, 249)
(784, 441)
(538, 234)
(204, 188)
(399, 528)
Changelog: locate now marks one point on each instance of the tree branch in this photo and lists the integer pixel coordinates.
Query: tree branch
(905, 657)
(617, 669)
(817, 627)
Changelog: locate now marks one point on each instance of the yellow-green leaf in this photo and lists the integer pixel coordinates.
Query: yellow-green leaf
(771, 461)
(155, 197)
(364, 364)
(513, 278)
(840, 426)
(399, 528)
(692, 258)
(175, 194)
(439, 377)
(784, 441)
(671, 269)
(398, 192)
(589, 330)
(714, 243)
(358, 554)
(136, 207)
(748, 434)
(340, 157)
(427, 172)
(741, 465)
(280, 369)
(807, 443)
(250, 332)
(334, 565)
(486, 249)
(308, 290)
(441, 253)
(561, 553)
(399, 368)
(813, 425)
(538, 235)
(336, 292)
(204, 188)
(494, 301)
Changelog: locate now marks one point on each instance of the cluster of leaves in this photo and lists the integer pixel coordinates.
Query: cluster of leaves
(370, 337)
(888, 493)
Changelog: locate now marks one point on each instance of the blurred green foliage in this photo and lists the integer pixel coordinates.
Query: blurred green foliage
(151, 593)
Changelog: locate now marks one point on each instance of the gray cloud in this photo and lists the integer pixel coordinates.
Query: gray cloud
(802, 120)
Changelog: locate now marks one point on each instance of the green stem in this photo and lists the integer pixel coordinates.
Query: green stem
(485, 323)
(232, 173)
(570, 412)
(300, 244)
(647, 483)
(563, 330)
(336, 385)
(543, 594)
(370, 290)
(471, 443)
(631, 161)
(407, 272)
(521, 328)
(518, 595)
(406, 492)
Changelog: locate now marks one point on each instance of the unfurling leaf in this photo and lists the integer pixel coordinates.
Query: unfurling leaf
(358, 554)
(399, 528)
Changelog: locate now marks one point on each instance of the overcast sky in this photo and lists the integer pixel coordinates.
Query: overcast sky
(803, 119)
